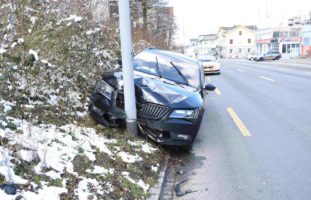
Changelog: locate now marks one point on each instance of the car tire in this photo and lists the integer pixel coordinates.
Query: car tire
(277, 58)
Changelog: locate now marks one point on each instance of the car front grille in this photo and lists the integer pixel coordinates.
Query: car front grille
(153, 111)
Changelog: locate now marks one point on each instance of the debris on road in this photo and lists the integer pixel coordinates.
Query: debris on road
(179, 192)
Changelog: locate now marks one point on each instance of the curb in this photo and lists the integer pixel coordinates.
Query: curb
(156, 192)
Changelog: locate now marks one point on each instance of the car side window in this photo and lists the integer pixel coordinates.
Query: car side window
(145, 62)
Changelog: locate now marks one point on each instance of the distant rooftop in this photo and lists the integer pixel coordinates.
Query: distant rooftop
(207, 35)
(228, 28)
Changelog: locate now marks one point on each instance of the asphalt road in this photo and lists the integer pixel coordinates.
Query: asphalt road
(255, 139)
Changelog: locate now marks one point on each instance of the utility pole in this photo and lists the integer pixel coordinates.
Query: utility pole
(127, 66)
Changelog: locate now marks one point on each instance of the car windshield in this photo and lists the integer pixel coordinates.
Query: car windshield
(207, 59)
(171, 66)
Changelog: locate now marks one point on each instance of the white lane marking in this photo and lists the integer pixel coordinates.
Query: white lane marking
(241, 70)
(283, 69)
(308, 73)
(217, 91)
(266, 78)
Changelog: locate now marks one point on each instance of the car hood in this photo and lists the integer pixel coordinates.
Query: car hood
(167, 93)
(152, 89)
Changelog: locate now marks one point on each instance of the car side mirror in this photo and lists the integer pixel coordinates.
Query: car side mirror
(210, 87)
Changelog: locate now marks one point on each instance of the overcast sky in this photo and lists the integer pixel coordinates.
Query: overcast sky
(205, 16)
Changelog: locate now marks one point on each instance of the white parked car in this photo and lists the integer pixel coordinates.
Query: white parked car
(252, 56)
(210, 64)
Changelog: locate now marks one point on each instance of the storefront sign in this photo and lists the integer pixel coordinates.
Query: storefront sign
(263, 41)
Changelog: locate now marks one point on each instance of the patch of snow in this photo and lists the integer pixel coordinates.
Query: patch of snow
(7, 105)
(2, 51)
(44, 61)
(140, 183)
(33, 20)
(89, 32)
(147, 148)
(34, 53)
(47, 63)
(6, 168)
(75, 18)
(13, 44)
(135, 144)
(154, 168)
(84, 191)
(28, 106)
(52, 174)
(27, 156)
(100, 170)
(20, 41)
(81, 114)
(46, 193)
(128, 158)
(53, 100)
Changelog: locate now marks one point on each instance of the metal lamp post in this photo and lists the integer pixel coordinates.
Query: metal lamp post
(127, 66)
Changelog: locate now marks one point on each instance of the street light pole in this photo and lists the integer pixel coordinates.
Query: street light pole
(127, 66)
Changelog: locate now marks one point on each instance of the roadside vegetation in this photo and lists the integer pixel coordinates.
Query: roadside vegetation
(51, 54)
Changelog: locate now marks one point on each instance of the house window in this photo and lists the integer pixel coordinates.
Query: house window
(230, 50)
(231, 41)
(249, 40)
(240, 50)
(240, 32)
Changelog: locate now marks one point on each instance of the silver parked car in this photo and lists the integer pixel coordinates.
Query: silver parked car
(270, 55)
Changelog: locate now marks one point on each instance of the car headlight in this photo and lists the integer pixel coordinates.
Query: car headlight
(184, 114)
(104, 88)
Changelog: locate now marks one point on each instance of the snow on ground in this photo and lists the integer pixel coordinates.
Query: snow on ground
(128, 158)
(46, 193)
(53, 149)
(74, 18)
(2, 50)
(88, 186)
(34, 53)
(145, 147)
(155, 168)
(7, 105)
(140, 183)
(100, 170)
(6, 167)
(20, 41)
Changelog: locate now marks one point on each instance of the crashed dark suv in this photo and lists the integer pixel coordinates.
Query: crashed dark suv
(169, 89)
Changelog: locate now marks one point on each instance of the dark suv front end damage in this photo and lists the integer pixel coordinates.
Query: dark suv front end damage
(169, 111)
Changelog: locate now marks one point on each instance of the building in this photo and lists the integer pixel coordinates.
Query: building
(207, 44)
(286, 40)
(236, 41)
(306, 40)
(295, 22)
